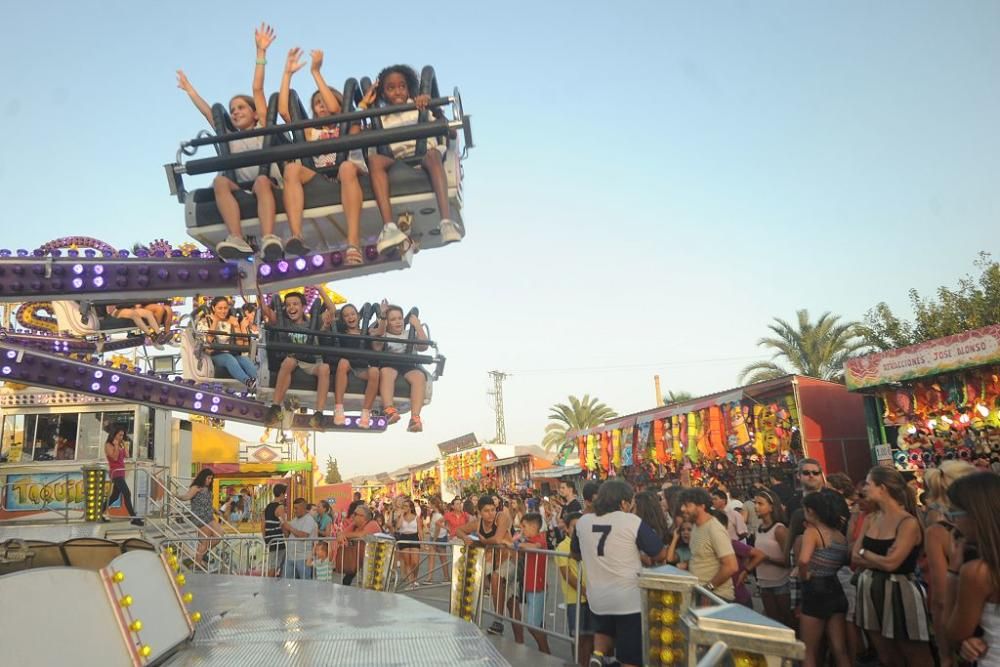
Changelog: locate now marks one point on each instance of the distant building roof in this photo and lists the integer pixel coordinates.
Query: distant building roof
(466, 441)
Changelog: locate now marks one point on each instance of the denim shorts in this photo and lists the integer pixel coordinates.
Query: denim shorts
(534, 608)
(586, 619)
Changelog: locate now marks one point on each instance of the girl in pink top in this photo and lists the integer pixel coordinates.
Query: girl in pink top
(116, 452)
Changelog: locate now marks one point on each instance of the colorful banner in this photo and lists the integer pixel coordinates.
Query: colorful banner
(943, 355)
(41, 491)
(339, 495)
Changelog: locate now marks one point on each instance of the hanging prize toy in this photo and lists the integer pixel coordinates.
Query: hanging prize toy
(616, 449)
(675, 435)
(716, 431)
(738, 426)
(659, 441)
(758, 429)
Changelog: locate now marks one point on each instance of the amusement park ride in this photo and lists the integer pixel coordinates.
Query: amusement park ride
(59, 340)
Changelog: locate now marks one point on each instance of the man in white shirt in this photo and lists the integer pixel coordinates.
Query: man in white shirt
(713, 560)
(609, 542)
(737, 527)
(302, 525)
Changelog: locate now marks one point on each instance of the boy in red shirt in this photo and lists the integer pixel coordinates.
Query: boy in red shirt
(533, 590)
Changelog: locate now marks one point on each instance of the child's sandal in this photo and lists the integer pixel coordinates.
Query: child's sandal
(353, 256)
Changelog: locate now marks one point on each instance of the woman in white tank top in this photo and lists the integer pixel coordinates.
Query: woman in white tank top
(772, 574)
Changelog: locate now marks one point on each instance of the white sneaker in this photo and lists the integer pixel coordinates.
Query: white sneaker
(271, 248)
(339, 418)
(234, 247)
(450, 232)
(389, 237)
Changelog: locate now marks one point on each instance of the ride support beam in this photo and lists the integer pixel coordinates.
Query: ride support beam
(115, 278)
(42, 369)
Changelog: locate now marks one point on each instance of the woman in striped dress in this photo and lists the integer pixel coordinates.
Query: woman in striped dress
(892, 606)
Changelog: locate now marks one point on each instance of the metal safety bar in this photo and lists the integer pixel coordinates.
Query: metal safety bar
(527, 588)
(286, 152)
(322, 121)
(335, 334)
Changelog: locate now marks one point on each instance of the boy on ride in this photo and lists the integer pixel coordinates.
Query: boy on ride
(296, 318)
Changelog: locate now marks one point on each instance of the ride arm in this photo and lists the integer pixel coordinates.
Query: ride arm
(263, 38)
(204, 107)
(418, 329)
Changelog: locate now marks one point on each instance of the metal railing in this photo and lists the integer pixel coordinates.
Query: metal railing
(528, 589)
(48, 492)
(243, 555)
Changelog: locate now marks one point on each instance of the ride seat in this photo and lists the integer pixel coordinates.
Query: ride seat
(197, 365)
(70, 320)
(90, 553)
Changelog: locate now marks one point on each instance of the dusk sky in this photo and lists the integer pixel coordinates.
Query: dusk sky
(652, 181)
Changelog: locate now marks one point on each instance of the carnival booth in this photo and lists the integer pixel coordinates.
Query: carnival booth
(738, 436)
(49, 437)
(249, 470)
(425, 478)
(464, 462)
(934, 401)
(517, 471)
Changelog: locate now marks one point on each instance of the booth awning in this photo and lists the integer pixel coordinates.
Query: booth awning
(557, 471)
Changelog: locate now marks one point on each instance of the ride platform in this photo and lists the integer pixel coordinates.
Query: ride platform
(252, 621)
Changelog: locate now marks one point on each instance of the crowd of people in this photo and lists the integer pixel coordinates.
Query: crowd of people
(395, 85)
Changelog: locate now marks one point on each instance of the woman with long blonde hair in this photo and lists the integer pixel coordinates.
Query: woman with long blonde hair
(938, 543)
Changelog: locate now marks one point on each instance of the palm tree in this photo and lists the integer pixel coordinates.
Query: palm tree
(677, 397)
(580, 414)
(814, 349)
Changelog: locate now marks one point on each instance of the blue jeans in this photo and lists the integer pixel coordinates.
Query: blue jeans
(240, 368)
(297, 569)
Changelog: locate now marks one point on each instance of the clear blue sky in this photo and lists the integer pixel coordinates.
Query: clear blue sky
(653, 180)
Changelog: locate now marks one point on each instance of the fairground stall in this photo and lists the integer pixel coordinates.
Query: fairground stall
(245, 472)
(463, 460)
(425, 478)
(514, 473)
(738, 436)
(934, 401)
(48, 437)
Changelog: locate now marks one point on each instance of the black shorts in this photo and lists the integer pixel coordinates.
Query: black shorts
(402, 369)
(823, 597)
(408, 537)
(627, 632)
(356, 364)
